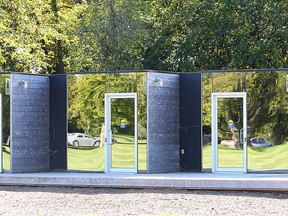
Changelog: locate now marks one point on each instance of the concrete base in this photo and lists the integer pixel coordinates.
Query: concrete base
(270, 182)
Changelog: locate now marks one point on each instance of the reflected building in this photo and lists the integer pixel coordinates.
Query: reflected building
(145, 122)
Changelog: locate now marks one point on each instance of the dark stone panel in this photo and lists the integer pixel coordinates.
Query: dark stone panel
(28, 115)
(171, 108)
(169, 128)
(36, 97)
(32, 143)
(160, 116)
(58, 122)
(163, 123)
(29, 133)
(155, 90)
(30, 103)
(31, 124)
(28, 108)
(157, 102)
(190, 122)
(29, 91)
(20, 154)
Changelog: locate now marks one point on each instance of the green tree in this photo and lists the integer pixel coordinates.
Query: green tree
(200, 35)
(112, 36)
(35, 35)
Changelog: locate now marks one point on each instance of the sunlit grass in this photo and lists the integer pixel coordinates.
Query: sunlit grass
(274, 157)
(6, 158)
(92, 159)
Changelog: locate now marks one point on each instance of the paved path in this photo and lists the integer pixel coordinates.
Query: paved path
(222, 181)
(46, 201)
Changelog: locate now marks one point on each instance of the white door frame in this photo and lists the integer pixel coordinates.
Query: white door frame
(214, 110)
(108, 132)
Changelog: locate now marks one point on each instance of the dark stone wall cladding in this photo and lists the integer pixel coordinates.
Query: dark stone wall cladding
(163, 122)
(29, 114)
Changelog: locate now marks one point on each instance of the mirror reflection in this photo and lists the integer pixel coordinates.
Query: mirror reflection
(86, 116)
(6, 121)
(267, 121)
(123, 136)
(267, 116)
(86, 122)
(230, 124)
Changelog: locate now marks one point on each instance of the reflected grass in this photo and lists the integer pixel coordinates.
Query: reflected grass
(274, 157)
(92, 159)
(6, 158)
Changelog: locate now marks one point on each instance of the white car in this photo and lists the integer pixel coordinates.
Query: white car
(82, 140)
(259, 142)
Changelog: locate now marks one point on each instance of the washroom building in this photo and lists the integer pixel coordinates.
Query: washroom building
(145, 122)
(125, 121)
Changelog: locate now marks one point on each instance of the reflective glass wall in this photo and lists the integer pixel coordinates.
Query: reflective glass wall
(267, 115)
(86, 114)
(4, 86)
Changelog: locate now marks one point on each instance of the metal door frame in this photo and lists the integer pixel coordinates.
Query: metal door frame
(214, 130)
(108, 132)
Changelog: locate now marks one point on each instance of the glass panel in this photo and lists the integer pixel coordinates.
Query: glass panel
(267, 121)
(142, 120)
(230, 123)
(267, 115)
(123, 137)
(206, 107)
(6, 121)
(86, 122)
(121, 82)
(229, 82)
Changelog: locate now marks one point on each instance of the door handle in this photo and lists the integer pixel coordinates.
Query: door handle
(241, 137)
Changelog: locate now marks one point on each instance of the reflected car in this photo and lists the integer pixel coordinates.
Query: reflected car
(83, 140)
(259, 142)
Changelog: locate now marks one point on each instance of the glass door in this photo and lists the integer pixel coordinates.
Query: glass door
(229, 132)
(121, 142)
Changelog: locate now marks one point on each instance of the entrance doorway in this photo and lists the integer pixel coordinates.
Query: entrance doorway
(229, 132)
(121, 140)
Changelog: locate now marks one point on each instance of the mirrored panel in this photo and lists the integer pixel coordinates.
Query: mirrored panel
(267, 121)
(142, 121)
(121, 82)
(5, 91)
(230, 133)
(228, 82)
(123, 136)
(206, 120)
(86, 122)
(267, 115)
(86, 115)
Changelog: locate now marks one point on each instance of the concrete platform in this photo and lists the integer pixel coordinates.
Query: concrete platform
(219, 181)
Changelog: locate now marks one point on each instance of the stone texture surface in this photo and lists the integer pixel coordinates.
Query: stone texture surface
(29, 115)
(163, 122)
(17, 200)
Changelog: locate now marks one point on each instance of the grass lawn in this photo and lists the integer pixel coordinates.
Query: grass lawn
(6, 158)
(122, 151)
(274, 157)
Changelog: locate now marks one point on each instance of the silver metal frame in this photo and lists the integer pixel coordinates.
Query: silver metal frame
(108, 132)
(214, 109)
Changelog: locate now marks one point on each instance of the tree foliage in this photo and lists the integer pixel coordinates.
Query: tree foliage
(35, 35)
(56, 36)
